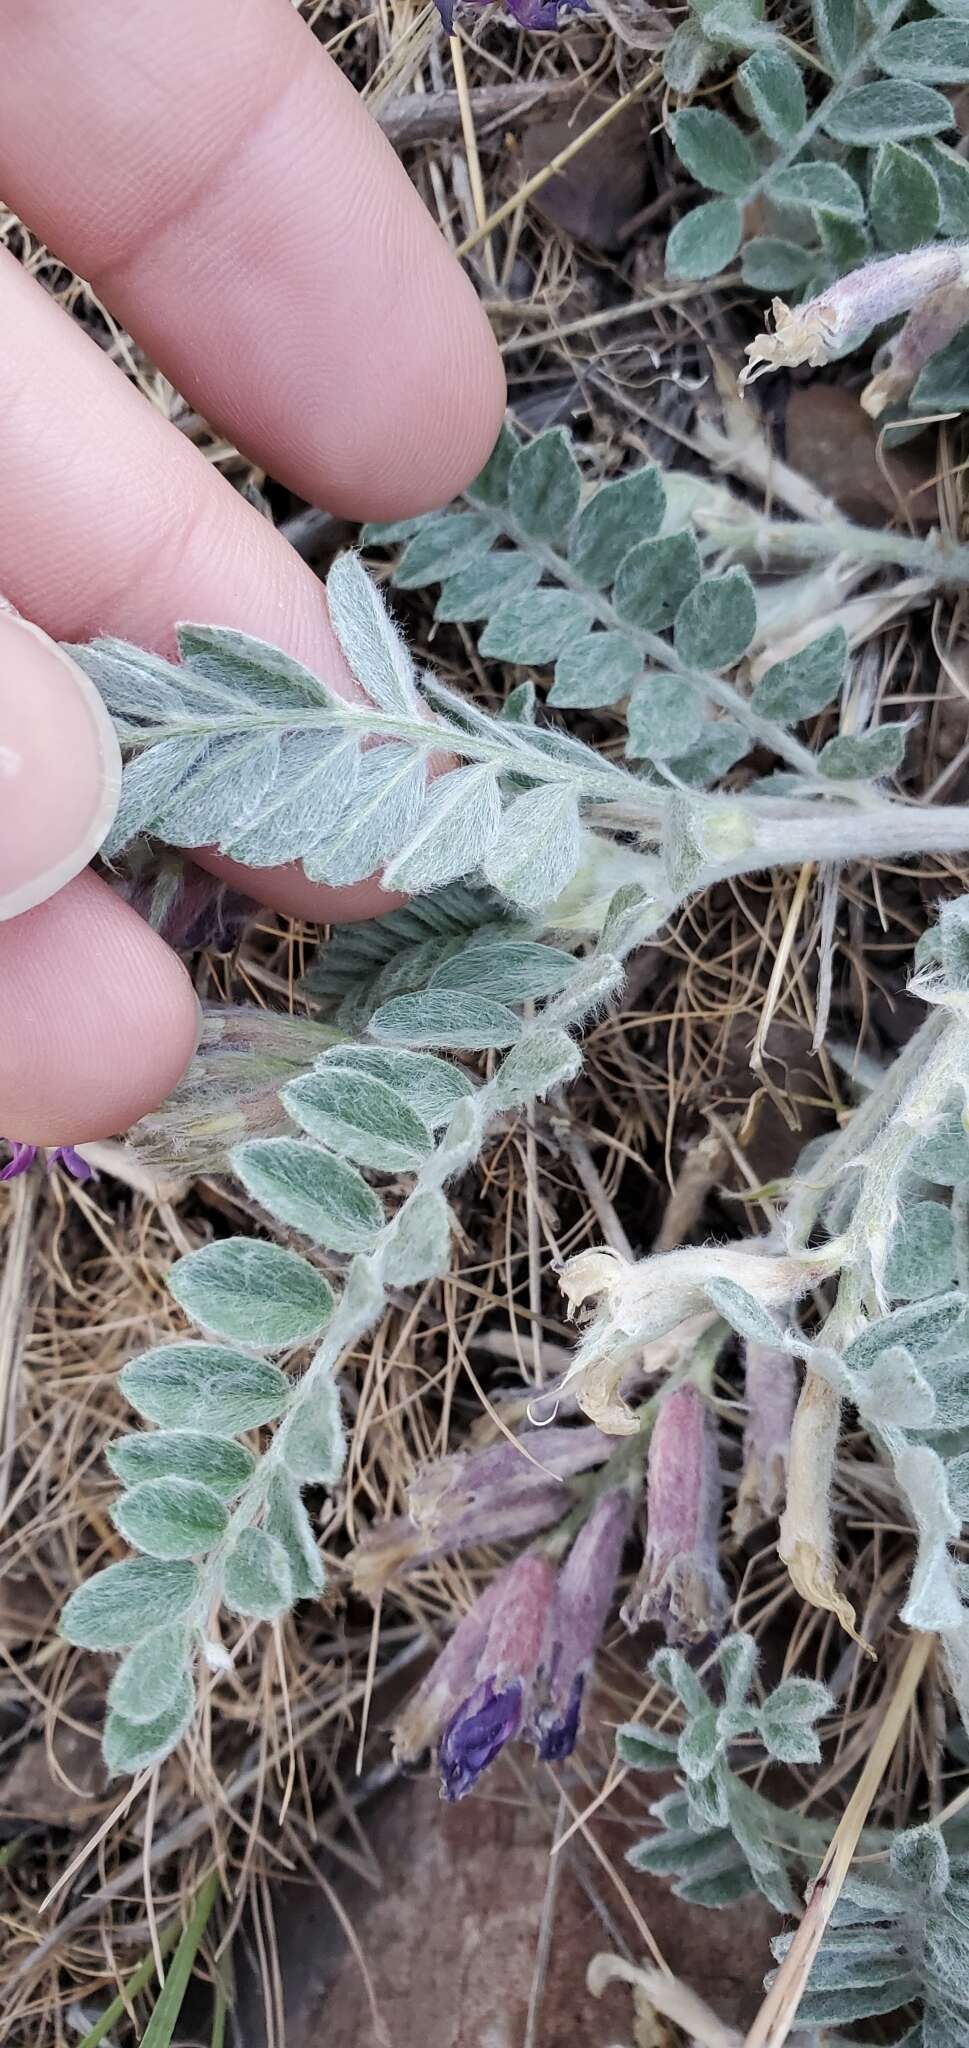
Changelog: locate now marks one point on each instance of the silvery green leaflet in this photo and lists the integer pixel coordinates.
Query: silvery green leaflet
(843, 138)
(537, 863)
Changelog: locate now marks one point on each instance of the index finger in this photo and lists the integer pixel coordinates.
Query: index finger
(224, 190)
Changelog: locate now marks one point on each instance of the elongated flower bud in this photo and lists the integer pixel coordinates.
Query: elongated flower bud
(770, 1391)
(583, 1601)
(231, 1090)
(508, 1666)
(529, 14)
(449, 1681)
(680, 1583)
(929, 328)
(449, 1495)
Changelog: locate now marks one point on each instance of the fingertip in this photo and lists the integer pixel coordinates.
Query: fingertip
(288, 890)
(428, 428)
(60, 767)
(98, 1019)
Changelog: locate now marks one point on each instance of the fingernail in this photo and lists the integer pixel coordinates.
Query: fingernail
(60, 767)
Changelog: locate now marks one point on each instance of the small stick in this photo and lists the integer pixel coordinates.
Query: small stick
(557, 163)
(775, 984)
(15, 1282)
(606, 1217)
(779, 2010)
(471, 151)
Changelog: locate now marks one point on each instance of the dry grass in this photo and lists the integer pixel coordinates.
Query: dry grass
(270, 1781)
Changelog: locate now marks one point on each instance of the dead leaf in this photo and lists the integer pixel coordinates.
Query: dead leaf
(833, 442)
(600, 190)
(32, 1791)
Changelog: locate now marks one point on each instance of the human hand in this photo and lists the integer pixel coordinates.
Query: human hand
(215, 178)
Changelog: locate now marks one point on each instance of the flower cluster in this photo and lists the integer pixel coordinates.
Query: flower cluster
(518, 1662)
(24, 1156)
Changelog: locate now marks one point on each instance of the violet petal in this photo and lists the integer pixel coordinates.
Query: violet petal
(22, 1161)
(476, 1734)
(66, 1156)
(557, 1737)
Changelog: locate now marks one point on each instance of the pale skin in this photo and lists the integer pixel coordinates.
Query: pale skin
(214, 176)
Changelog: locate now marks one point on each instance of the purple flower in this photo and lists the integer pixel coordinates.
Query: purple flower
(477, 1694)
(540, 14)
(22, 1161)
(484, 1722)
(680, 1581)
(58, 1155)
(66, 1156)
(231, 1089)
(583, 1599)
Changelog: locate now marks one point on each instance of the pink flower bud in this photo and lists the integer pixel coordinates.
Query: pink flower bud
(680, 1581)
(583, 1601)
(495, 1495)
(24, 1156)
(479, 1691)
(449, 1681)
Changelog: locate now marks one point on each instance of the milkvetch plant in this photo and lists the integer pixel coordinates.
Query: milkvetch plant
(537, 864)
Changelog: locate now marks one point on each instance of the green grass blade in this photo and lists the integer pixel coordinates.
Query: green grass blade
(142, 1975)
(164, 2019)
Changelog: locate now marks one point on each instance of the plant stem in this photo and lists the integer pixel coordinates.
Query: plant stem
(932, 554)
